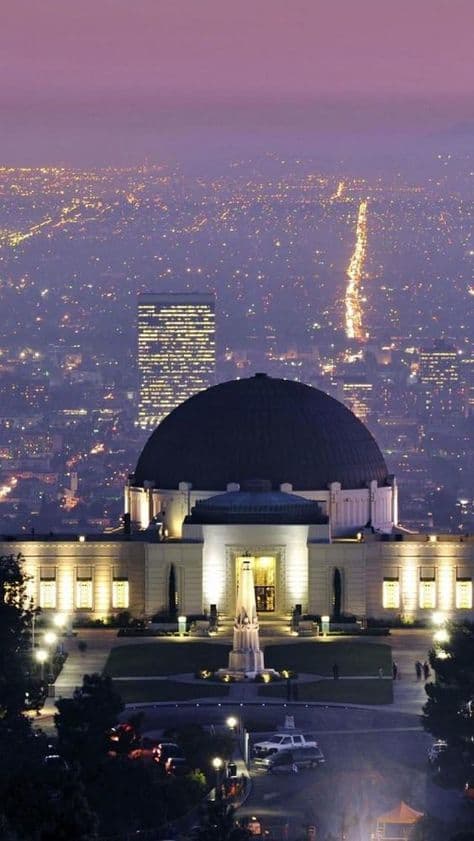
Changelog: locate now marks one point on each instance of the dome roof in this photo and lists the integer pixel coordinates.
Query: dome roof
(261, 427)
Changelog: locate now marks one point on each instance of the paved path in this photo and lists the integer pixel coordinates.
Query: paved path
(407, 647)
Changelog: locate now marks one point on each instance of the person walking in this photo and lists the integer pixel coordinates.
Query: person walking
(418, 670)
(335, 671)
(394, 670)
(426, 670)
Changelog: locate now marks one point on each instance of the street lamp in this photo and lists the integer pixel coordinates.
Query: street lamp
(217, 765)
(41, 656)
(60, 620)
(441, 636)
(232, 723)
(50, 638)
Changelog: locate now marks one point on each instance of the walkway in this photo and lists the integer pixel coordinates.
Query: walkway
(407, 646)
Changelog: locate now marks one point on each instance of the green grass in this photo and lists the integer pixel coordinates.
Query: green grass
(317, 657)
(142, 691)
(165, 658)
(361, 691)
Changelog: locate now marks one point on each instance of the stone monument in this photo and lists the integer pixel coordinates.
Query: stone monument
(246, 658)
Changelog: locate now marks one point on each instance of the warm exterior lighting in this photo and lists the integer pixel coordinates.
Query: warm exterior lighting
(50, 638)
(60, 620)
(432, 538)
(41, 655)
(438, 619)
(441, 636)
(217, 763)
(231, 722)
(82, 538)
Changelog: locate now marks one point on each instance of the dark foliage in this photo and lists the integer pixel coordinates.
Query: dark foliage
(16, 613)
(448, 713)
(83, 721)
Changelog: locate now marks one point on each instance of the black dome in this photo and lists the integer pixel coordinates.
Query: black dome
(261, 427)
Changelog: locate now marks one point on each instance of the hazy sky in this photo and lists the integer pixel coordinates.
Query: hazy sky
(76, 61)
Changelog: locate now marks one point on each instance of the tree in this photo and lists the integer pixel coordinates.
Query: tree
(83, 721)
(219, 824)
(448, 713)
(16, 615)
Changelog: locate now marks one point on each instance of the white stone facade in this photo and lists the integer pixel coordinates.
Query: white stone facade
(388, 577)
(348, 510)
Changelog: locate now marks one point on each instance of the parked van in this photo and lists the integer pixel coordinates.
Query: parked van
(293, 760)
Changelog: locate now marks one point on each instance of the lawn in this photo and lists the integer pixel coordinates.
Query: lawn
(318, 657)
(361, 691)
(142, 691)
(165, 658)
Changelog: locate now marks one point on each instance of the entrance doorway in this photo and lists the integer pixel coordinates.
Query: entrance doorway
(264, 575)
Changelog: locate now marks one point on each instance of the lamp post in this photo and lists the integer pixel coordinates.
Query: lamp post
(41, 656)
(217, 765)
(232, 723)
(50, 638)
(61, 621)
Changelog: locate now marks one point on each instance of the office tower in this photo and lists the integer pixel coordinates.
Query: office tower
(357, 394)
(440, 380)
(176, 351)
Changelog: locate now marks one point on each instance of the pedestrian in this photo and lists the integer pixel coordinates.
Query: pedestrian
(418, 670)
(394, 670)
(426, 670)
(380, 672)
(335, 671)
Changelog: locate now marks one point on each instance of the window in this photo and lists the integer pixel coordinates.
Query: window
(391, 594)
(464, 594)
(84, 594)
(120, 593)
(428, 594)
(47, 594)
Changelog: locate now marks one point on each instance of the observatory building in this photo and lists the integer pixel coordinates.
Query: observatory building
(267, 471)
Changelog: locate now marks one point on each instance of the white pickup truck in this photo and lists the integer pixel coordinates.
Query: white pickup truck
(284, 741)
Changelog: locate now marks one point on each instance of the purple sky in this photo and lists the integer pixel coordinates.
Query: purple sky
(110, 54)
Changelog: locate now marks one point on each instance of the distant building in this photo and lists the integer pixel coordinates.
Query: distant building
(176, 351)
(440, 380)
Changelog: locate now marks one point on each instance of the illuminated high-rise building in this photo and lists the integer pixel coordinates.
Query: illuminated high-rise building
(440, 379)
(176, 351)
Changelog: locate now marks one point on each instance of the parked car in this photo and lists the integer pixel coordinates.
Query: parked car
(282, 742)
(54, 762)
(469, 789)
(436, 750)
(167, 750)
(177, 766)
(292, 760)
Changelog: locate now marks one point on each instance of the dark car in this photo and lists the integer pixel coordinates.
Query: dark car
(167, 750)
(293, 760)
(177, 766)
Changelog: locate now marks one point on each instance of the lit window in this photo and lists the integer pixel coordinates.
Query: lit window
(47, 594)
(428, 594)
(464, 594)
(84, 594)
(391, 594)
(120, 594)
